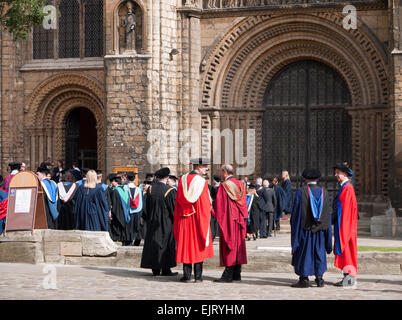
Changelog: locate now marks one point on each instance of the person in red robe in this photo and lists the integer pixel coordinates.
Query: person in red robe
(192, 216)
(231, 214)
(345, 227)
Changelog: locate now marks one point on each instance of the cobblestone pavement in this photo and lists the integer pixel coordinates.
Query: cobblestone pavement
(25, 281)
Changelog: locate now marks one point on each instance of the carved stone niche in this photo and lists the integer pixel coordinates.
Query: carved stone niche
(129, 24)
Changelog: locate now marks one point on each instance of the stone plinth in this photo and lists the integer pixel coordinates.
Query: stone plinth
(388, 225)
(54, 246)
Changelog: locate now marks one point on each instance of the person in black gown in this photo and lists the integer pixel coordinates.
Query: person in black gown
(159, 251)
(67, 189)
(254, 208)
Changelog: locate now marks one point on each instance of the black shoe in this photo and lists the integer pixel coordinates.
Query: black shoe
(197, 280)
(156, 272)
(169, 273)
(185, 280)
(319, 281)
(254, 237)
(302, 283)
(137, 242)
(227, 275)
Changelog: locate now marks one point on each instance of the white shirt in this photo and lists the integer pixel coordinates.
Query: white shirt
(344, 182)
(14, 172)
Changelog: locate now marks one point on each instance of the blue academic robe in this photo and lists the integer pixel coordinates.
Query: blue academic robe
(280, 202)
(91, 209)
(287, 188)
(309, 249)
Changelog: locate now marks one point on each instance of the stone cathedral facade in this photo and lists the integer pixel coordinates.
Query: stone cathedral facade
(288, 74)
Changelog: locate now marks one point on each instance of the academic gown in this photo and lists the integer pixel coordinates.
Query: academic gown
(213, 190)
(91, 209)
(66, 219)
(280, 202)
(288, 200)
(192, 217)
(231, 214)
(136, 205)
(254, 208)
(345, 229)
(3, 209)
(120, 227)
(309, 245)
(159, 246)
(50, 196)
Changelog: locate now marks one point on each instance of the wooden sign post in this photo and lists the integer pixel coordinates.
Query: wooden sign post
(26, 206)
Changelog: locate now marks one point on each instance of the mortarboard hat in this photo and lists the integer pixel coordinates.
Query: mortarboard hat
(131, 176)
(217, 178)
(173, 177)
(252, 186)
(110, 176)
(162, 173)
(15, 165)
(311, 174)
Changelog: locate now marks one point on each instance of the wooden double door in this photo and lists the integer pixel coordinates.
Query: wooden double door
(305, 122)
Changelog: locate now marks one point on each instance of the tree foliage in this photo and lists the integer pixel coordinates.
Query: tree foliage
(18, 16)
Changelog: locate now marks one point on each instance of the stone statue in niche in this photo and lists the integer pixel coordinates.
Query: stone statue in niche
(130, 25)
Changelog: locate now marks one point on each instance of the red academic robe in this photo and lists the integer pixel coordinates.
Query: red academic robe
(345, 232)
(231, 214)
(191, 224)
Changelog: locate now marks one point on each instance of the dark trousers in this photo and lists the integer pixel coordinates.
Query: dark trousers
(263, 225)
(270, 222)
(187, 269)
(157, 272)
(277, 225)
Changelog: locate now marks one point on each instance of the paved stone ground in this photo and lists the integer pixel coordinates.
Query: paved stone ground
(26, 281)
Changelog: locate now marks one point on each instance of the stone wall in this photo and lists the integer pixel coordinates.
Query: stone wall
(128, 117)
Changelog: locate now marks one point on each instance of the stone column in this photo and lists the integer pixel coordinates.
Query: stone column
(127, 116)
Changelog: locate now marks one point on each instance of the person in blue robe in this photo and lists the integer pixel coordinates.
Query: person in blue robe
(50, 195)
(91, 207)
(287, 188)
(133, 229)
(311, 233)
(280, 203)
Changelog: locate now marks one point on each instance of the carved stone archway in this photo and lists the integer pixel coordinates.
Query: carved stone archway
(240, 66)
(48, 108)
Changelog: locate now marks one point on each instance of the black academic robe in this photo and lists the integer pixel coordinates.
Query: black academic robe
(160, 246)
(213, 190)
(254, 214)
(119, 228)
(91, 209)
(67, 219)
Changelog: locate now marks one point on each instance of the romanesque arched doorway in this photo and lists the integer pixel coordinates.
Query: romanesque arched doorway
(305, 122)
(81, 139)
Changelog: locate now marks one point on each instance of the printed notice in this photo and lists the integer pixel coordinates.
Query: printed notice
(23, 200)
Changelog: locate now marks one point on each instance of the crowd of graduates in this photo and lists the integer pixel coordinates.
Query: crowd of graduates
(179, 218)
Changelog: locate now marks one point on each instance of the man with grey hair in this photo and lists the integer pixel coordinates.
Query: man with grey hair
(262, 193)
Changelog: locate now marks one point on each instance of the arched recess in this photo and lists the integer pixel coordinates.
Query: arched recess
(140, 11)
(242, 63)
(48, 108)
